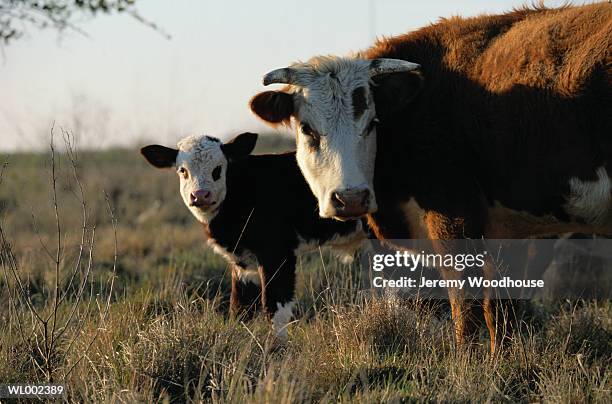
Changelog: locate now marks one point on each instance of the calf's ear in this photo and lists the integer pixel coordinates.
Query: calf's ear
(273, 106)
(395, 91)
(240, 146)
(159, 156)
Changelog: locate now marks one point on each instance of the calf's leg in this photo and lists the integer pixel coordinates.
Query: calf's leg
(246, 293)
(277, 276)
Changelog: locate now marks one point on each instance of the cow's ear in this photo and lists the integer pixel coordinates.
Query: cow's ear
(395, 91)
(159, 156)
(240, 146)
(273, 106)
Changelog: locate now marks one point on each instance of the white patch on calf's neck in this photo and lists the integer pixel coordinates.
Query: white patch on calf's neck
(248, 276)
(591, 200)
(281, 319)
(247, 259)
(305, 246)
(343, 246)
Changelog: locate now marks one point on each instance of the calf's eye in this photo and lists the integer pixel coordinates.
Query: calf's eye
(183, 171)
(216, 174)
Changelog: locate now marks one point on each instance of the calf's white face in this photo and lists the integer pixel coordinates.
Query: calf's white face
(330, 100)
(201, 167)
(201, 163)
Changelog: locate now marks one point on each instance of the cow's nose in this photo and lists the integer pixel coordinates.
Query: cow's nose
(351, 202)
(201, 197)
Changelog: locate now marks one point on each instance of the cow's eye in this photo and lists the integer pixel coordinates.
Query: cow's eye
(307, 130)
(183, 172)
(314, 142)
(371, 126)
(313, 138)
(216, 173)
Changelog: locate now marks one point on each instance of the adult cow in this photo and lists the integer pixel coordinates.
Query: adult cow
(501, 129)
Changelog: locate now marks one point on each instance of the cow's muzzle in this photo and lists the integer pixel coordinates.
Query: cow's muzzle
(351, 203)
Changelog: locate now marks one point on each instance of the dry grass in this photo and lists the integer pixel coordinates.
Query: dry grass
(168, 336)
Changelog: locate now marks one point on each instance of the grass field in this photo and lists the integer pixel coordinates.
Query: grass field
(166, 335)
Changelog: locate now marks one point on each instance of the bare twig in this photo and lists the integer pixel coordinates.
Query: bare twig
(46, 352)
(72, 156)
(138, 17)
(103, 314)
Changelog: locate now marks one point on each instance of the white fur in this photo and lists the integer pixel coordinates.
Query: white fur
(306, 246)
(343, 246)
(281, 319)
(247, 275)
(591, 200)
(247, 259)
(199, 155)
(414, 215)
(345, 158)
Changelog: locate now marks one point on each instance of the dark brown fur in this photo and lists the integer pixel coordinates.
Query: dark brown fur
(266, 213)
(273, 106)
(359, 101)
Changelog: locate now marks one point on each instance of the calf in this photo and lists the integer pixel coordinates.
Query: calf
(258, 213)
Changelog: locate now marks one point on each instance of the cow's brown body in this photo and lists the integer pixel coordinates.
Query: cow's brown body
(512, 107)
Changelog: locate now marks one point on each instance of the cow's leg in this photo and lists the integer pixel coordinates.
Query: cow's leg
(500, 318)
(278, 286)
(246, 292)
(489, 315)
(458, 312)
(499, 315)
(499, 309)
(460, 306)
(442, 228)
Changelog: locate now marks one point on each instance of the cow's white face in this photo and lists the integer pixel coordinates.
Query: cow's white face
(335, 120)
(201, 163)
(330, 101)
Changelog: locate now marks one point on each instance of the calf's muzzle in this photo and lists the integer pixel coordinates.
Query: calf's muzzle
(201, 198)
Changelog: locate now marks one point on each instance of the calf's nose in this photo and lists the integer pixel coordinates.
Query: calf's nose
(351, 202)
(201, 197)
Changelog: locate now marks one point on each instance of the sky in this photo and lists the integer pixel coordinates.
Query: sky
(124, 84)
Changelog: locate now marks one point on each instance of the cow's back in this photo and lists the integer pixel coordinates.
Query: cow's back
(556, 49)
(565, 51)
(521, 100)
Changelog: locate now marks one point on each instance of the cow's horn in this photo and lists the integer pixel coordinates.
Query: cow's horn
(380, 66)
(286, 75)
